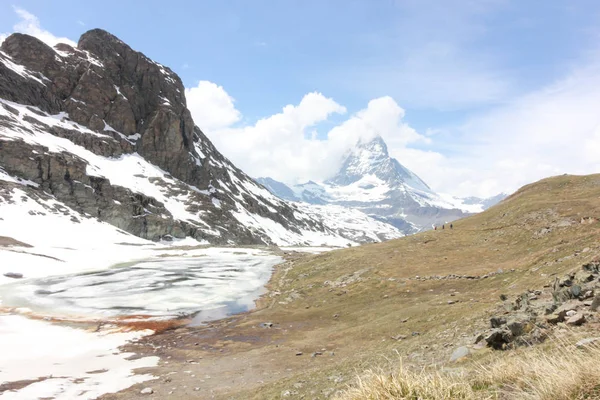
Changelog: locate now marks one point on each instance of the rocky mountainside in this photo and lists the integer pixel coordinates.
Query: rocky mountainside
(373, 182)
(104, 132)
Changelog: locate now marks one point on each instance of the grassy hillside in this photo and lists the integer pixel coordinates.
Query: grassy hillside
(537, 232)
(365, 309)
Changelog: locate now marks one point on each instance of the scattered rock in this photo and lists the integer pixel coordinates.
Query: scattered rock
(498, 339)
(576, 320)
(14, 275)
(576, 290)
(266, 325)
(519, 326)
(460, 353)
(549, 309)
(298, 353)
(569, 306)
(497, 322)
(555, 318)
(147, 391)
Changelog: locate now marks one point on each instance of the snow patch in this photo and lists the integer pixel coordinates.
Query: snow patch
(76, 363)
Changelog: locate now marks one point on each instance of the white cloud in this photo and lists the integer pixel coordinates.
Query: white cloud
(285, 146)
(2, 37)
(211, 107)
(30, 25)
(80, 22)
(548, 132)
(278, 146)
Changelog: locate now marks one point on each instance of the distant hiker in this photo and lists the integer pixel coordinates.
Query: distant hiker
(450, 226)
(435, 227)
(442, 226)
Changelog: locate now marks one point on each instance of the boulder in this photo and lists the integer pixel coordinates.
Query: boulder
(576, 290)
(497, 322)
(498, 339)
(555, 318)
(460, 353)
(520, 325)
(569, 306)
(595, 303)
(576, 320)
(550, 308)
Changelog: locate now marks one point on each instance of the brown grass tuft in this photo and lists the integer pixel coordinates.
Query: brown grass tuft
(563, 372)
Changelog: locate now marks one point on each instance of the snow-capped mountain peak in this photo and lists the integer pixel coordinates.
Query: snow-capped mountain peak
(371, 157)
(375, 183)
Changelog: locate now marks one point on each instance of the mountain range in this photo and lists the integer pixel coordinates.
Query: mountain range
(99, 133)
(371, 181)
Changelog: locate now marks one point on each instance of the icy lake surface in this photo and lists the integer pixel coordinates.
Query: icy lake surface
(65, 362)
(214, 284)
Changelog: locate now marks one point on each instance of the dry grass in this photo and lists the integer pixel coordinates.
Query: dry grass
(406, 384)
(561, 372)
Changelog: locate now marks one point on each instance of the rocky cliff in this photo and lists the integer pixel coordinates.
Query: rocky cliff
(106, 131)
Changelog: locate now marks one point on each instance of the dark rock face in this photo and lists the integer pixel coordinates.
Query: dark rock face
(124, 103)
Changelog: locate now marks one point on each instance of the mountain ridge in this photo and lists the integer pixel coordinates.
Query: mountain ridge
(106, 131)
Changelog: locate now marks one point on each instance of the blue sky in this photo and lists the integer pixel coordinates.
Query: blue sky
(450, 66)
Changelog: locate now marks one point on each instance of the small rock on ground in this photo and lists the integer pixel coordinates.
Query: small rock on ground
(460, 353)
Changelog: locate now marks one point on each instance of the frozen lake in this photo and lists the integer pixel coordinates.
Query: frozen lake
(64, 362)
(213, 284)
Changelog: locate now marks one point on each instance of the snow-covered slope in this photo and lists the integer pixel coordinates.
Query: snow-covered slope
(104, 131)
(371, 181)
(351, 223)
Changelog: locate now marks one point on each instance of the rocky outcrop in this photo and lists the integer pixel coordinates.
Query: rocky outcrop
(572, 300)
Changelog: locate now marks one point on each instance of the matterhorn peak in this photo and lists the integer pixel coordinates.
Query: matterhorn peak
(374, 144)
(370, 157)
